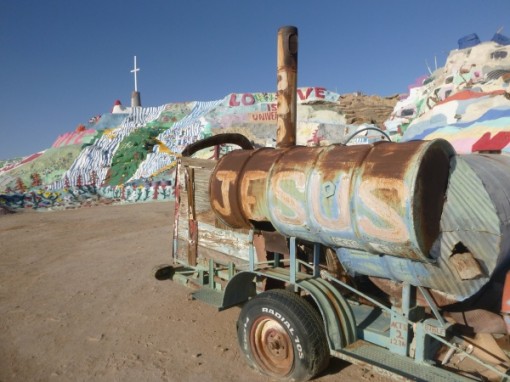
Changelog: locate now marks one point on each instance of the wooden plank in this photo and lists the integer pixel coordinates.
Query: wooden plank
(206, 253)
(228, 242)
(199, 232)
(202, 199)
(177, 211)
(192, 222)
(200, 163)
(183, 205)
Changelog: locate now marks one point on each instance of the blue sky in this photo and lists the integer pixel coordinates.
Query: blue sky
(65, 61)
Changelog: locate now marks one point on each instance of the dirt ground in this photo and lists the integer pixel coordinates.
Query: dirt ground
(79, 302)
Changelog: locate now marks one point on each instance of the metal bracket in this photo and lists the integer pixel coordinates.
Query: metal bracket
(293, 262)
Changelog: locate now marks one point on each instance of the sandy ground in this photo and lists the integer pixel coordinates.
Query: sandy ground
(79, 302)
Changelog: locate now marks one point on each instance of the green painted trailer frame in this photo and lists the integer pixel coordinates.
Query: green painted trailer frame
(396, 341)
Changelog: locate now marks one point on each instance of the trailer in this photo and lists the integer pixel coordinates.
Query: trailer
(389, 255)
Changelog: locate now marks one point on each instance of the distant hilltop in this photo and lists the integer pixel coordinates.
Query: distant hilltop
(466, 101)
(141, 143)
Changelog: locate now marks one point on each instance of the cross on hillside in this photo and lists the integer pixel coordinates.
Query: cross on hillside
(135, 69)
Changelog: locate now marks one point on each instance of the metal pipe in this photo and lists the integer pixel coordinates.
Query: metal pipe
(287, 49)
(219, 139)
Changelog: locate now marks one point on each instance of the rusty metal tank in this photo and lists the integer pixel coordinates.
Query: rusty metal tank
(382, 198)
(412, 212)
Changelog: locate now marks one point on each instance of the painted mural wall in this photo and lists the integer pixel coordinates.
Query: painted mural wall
(129, 154)
(88, 195)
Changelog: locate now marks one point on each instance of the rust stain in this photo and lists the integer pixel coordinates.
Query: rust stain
(339, 158)
(391, 160)
(390, 195)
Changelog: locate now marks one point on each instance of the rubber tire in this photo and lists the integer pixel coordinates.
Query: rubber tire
(303, 326)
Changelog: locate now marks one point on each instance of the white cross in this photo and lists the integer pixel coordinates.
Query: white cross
(135, 69)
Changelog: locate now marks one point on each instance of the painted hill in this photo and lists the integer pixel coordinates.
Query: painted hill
(466, 102)
(129, 154)
(140, 144)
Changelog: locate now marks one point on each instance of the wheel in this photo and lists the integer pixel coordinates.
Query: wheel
(282, 336)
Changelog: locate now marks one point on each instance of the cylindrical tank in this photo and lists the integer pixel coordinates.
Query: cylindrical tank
(473, 244)
(381, 198)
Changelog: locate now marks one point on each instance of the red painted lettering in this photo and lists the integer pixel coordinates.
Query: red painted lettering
(305, 96)
(496, 143)
(319, 92)
(247, 99)
(263, 117)
(233, 100)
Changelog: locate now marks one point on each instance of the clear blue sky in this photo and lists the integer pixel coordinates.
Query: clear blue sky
(64, 61)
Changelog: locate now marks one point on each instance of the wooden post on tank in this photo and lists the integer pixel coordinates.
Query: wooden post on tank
(286, 95)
